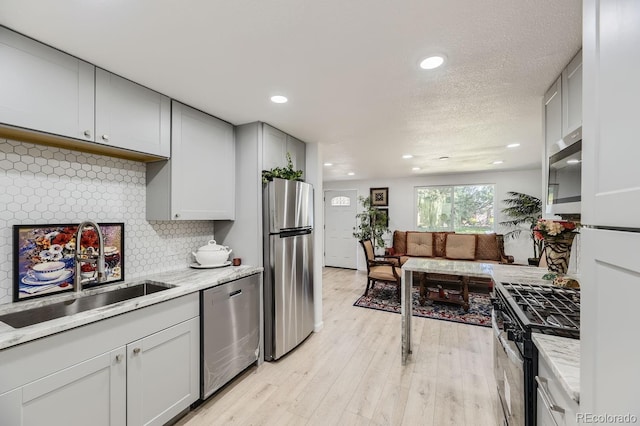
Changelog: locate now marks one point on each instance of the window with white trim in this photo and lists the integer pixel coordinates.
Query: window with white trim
(459, 208)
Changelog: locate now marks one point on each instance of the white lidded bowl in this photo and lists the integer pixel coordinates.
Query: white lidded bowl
(212, 254)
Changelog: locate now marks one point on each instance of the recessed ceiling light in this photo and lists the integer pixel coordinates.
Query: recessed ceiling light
(443, 158)
(573, 161)
(407, 156)
(513, 145)
(415, 169)
(432, 62)
(279, 99)
(350, 173)
(498, 162)
(328, 164)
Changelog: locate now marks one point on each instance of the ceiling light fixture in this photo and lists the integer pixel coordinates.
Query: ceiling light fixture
(415, 169)
(513, 145)
(432, 62)
(498, 162)
(407, 156)
(279, 99)
(328, 164)
(350, 174)
(443, 158)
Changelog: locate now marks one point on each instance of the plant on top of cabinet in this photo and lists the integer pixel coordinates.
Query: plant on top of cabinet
(282, 172)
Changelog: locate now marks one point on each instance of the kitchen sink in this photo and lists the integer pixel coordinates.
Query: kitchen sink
(83, 303)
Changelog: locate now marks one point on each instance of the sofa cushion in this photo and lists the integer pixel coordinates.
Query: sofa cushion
(461, 246)
(440, 243)
(487, 247)
(420, 244)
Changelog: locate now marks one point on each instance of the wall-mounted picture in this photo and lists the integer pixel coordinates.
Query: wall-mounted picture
(44, 258)
(379, 196)
(386, 216)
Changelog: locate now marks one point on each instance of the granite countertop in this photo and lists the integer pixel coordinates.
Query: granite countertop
(563, 355)
(185, 281)
(499, 272)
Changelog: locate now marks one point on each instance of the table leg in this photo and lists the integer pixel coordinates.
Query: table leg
(406, 308)
(465, 293)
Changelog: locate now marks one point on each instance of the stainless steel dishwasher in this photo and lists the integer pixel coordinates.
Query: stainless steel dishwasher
(230, 326)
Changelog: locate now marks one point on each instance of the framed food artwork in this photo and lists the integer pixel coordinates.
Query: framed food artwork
(379, 196)
(44, 258)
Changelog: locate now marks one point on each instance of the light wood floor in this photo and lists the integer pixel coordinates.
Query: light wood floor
(350, 373)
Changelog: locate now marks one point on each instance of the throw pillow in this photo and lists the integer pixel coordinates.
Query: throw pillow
(420, 244)
(461, 246)
(487, 247)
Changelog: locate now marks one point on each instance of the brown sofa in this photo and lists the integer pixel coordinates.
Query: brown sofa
(485, 248)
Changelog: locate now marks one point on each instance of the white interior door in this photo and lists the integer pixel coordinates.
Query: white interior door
(340, 247)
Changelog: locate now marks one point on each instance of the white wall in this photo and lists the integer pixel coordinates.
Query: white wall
(44, 185)
(402, 203)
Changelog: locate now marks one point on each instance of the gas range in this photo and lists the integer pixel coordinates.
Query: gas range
(518, 310)
(547, 309)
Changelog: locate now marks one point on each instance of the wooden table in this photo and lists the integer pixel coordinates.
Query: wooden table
(458, 297)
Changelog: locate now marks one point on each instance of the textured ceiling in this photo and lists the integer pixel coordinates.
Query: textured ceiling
(349, 68)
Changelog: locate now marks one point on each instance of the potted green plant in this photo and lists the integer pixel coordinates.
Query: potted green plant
(372, 223)
(282, 172)
(523, 210)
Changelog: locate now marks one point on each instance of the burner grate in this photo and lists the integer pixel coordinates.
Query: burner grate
(547, 306)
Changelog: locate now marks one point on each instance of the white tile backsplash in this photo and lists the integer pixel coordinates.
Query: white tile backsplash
(40, 184)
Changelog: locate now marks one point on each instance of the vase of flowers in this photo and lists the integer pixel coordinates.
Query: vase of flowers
(558, 236)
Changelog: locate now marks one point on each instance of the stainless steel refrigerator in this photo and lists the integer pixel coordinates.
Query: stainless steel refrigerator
(288, 263)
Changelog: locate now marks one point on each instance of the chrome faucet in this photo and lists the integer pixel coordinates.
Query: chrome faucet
(88, 255)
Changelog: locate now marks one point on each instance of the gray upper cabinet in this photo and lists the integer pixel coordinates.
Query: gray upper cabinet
(572, 100)
(59, 97)
(131, 116)
(198, 183)
(276, 145)
(553, 118)
(297, 149)
(274, 153)
(44, 89)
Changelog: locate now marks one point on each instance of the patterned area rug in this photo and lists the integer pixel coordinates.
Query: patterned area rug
(383, 297)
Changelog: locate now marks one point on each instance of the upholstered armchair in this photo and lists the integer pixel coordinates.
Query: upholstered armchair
(381, 268)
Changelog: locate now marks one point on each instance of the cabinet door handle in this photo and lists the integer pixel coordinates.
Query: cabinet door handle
(87, 133)
(543, 384)
(136, 351)
(235, 293)
(177, 215)
(119, 358)
(105, 137)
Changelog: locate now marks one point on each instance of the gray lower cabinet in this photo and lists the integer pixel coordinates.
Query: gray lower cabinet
(198, 182)
(163, 374)
(149, 374)
(92, 392)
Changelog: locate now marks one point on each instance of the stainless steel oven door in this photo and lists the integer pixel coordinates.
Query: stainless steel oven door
(509, 373)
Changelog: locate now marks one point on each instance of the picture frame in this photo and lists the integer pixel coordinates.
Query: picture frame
(379, 197)
(386, 212)
(53, 248)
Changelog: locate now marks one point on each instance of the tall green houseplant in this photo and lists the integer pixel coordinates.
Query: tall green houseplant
(372, 223)
(523, 210)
